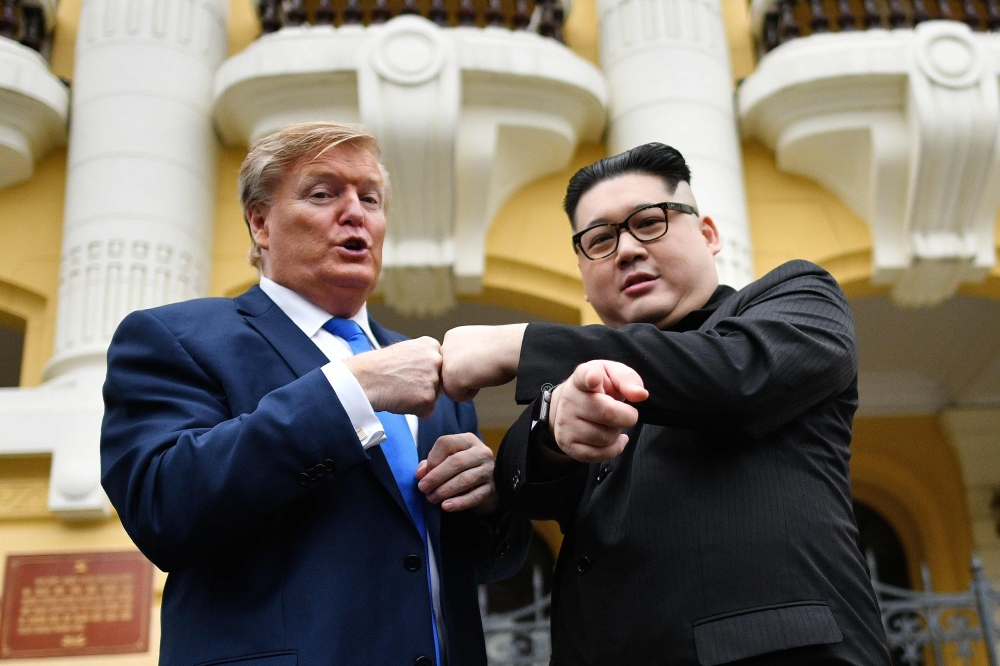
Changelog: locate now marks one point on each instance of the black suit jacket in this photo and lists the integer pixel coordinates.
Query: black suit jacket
(724, 530)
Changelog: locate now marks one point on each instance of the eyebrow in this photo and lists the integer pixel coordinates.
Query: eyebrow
(321, 174)
(601, 221)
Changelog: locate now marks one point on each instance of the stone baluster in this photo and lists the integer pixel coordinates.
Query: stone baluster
(920, 13)
(771, 36)
(270, 16)
(409, 7)
(872, 18)
(494, 14)
(34, 28)
(819, 22)
(352, 13)
(993, 15)
(845, 16)
(522, 15)
(788, 27)
(10, 24)
(897, 17)
(381, 12)
(466, 13)
(559, 18)
(324, 13)
(547, 25)
(295, 13)
(971, 17)
(437, 13)
(944, 10)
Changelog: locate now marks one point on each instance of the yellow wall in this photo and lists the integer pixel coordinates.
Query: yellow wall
(31, 225)
(905, 468)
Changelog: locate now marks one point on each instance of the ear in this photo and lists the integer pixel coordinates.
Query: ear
(259, 229)
(710, 233)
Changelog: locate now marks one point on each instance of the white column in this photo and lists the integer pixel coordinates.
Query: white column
(140, 199)
(140, 192)
(667, 66)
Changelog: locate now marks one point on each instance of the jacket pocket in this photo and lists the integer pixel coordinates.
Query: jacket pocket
(285, 658)
(733, 636)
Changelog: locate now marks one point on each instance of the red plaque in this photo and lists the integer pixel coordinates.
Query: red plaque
(71, 604)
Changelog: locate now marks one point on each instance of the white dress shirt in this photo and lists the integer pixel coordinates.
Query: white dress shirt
(310, 318)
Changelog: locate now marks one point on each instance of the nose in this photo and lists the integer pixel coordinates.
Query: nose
(629, 249)
(351, 212)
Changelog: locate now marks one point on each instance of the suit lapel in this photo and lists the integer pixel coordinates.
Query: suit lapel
(303, 356)
(298, 351)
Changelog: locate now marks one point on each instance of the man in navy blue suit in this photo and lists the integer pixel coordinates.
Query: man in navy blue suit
(292, 464)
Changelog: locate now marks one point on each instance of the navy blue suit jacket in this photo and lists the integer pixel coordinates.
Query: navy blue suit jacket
(234, 467)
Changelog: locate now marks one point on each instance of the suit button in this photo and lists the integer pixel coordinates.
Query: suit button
(311, 474)
(516, 479)
(603, 474)
(303, 479)
(423, 661)
(320, 469)
(583, 564)
(329, 464)
(412, 562)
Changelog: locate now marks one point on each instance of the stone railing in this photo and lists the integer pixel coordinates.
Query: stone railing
(780, 21)
(544, 17)
(29, 22)
(520, 637)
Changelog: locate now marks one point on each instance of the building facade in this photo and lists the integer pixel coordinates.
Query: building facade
(863, 135)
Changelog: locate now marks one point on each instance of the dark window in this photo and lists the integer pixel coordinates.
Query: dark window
(876, 536)
(11, 349)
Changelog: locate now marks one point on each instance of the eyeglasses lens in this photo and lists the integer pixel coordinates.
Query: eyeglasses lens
(645, 225)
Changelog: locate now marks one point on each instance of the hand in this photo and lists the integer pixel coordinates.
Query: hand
(458, 473)
(479, 356)
(402, 378)
(587, 411)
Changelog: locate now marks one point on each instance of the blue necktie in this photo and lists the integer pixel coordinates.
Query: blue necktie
(400, 452)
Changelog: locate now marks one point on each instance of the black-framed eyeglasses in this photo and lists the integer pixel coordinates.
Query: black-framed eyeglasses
(646, 224)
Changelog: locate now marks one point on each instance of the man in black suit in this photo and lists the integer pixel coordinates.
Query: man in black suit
(716, 529)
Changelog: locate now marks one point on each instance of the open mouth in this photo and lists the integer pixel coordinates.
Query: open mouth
(355, 245)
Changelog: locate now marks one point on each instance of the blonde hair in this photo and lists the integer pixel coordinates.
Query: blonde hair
(270, 157)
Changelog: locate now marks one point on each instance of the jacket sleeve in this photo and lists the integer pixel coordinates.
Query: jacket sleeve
(503, 538)
(185, 476)
(782, 352)
(526, 492)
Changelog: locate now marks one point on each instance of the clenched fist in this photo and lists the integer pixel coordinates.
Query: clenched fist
(588, 410)
(476, 357)
(402, 378)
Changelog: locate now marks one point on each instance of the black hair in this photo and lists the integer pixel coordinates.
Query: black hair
(653, 159)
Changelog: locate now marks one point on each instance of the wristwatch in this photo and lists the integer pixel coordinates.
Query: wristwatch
(540, 419)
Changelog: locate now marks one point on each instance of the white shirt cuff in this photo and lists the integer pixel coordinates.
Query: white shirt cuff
(354, 401)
